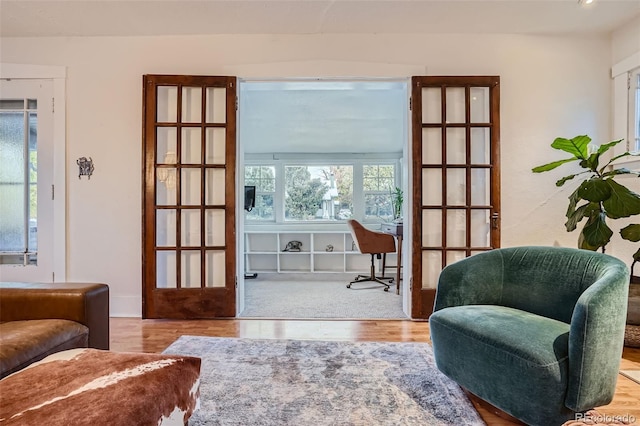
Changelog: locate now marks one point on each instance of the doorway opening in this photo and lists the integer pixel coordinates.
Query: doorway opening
(319, 152)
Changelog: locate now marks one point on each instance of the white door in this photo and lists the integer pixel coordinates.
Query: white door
(26, 180)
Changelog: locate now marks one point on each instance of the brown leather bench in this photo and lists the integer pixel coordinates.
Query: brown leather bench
(38, 319)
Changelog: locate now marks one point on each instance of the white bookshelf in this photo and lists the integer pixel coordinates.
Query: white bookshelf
(264, 252)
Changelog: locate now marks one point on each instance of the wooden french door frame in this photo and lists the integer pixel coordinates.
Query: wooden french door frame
(423, 285)
(181, 298)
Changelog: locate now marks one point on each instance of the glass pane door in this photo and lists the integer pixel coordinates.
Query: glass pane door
(26, 178)
(190, 199)
(456, 174)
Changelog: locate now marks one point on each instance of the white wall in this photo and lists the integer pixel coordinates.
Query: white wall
(625, 41)
(550, 86)
(625, 45)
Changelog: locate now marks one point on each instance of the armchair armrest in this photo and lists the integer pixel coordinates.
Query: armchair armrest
(596, 339)
(84, 303)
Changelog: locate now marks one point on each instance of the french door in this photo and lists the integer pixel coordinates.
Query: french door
(456, 176)
(189, 173)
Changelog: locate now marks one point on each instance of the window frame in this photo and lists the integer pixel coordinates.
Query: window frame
(623, 108)
(28, 115)
(57, 75)
(260, 192)
(356, 161)
(379, 192)
(633, 124)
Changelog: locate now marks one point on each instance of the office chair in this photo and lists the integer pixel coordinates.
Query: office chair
(373, 243)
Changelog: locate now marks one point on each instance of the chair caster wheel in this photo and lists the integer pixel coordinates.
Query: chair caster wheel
(348, 285)
(386, 289)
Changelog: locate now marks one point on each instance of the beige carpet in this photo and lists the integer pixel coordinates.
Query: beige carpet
(309, 296)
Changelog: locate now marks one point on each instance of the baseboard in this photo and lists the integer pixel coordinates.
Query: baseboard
(125, 306)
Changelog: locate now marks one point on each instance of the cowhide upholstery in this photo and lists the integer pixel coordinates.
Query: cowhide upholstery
(96, 387)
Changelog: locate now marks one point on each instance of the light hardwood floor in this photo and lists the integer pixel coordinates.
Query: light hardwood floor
(136, 335)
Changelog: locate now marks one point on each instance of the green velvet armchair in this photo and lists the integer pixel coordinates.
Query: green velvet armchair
(535, 331)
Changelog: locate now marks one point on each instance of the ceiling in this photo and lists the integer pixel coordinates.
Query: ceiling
(331, 119)
(46, 18)
(307, 117)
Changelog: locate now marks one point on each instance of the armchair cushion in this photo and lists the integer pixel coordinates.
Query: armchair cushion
(502, 346)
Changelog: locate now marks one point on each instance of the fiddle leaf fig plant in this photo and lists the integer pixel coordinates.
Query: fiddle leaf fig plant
(632, 233)
(598, 196)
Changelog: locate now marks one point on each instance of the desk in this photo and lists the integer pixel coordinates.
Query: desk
(395, 229)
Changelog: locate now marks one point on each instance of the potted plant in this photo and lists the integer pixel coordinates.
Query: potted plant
(632, 233)
(396, 203)
(599, 196)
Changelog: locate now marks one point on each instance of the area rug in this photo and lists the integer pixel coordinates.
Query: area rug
(631, 374)
(298, 382)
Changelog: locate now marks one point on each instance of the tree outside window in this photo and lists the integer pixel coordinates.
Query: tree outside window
(343, 176)
(318, 193)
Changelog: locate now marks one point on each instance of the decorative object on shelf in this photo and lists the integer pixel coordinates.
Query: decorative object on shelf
(85, 167)
(396, 203)
(329, 247)
(293, 246)
(353, 246)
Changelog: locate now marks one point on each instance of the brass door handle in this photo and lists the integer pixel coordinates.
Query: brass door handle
(494, 220)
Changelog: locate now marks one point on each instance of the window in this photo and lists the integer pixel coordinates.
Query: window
(634, 110)
(264, 178)
(29, 204)
(378, 185)
(316, 192)
(18, 181)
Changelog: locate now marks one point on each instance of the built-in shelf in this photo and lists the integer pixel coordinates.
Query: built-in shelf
(321, 251)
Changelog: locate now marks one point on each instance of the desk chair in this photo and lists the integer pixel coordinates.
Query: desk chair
(373, 243)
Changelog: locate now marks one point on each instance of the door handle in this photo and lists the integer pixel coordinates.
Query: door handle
(494, 220)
